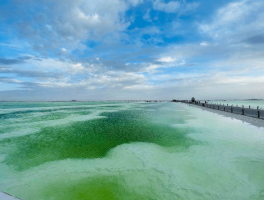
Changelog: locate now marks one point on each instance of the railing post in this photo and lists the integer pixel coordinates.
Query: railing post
(224, 108)
(243, 111)
(258, 114)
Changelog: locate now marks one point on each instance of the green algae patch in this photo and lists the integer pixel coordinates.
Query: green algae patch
(96, 188)
(92, 139)
(105, 187)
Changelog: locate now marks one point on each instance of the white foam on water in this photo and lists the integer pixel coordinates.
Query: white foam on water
(19, 133)
(11, 110)
(34, 127)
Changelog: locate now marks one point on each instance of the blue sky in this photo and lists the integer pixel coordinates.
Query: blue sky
(131, 49)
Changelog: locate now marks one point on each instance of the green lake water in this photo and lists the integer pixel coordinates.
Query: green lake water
(127, 151)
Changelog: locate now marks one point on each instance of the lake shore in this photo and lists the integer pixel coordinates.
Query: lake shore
(251, 120)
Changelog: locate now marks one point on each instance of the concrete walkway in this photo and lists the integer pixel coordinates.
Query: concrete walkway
(4, 196)
(251, 120)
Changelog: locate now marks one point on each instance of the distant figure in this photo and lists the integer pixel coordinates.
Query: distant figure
(73, 100)
(193, 100)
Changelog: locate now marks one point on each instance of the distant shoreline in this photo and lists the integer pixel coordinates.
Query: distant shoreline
(87, 101)
(145, 100)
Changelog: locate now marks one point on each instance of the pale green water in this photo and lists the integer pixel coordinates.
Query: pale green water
(245, 103)
(127, 151)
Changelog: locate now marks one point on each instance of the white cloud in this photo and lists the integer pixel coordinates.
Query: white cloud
(167, 59)
(237, 81)
(174, 6)
(135, 2)
(53, 73)
(77, 68)
(209, 64)
(204, 44)
(236, 21)
(147, 15)
(63, 50)
(243, 80)
(65, 24)
(169, 7)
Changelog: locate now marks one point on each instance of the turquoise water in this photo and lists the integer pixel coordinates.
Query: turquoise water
(80, 150)
(245, 103)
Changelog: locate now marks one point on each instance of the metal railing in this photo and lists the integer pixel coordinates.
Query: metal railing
(251, 112)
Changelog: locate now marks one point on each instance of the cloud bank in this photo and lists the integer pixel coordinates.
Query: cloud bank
(133, 49)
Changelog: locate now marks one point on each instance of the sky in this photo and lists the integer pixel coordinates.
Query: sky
(131, 49)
